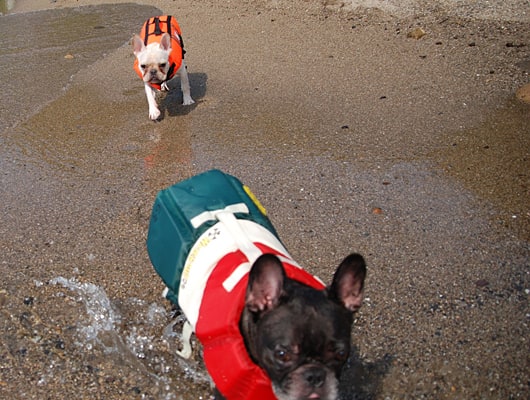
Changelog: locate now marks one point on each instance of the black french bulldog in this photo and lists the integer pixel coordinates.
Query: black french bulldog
(300, 335)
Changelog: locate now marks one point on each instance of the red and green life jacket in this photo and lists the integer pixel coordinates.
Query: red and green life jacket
(205, 233)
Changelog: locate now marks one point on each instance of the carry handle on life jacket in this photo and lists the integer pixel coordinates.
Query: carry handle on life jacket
(157, 30)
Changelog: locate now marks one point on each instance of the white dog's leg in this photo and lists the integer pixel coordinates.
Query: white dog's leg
(185, 85)
(154, 112)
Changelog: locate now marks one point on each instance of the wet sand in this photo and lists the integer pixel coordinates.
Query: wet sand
(354, 134)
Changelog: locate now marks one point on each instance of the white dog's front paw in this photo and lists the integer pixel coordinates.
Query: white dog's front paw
(188, 101)
(154, 113)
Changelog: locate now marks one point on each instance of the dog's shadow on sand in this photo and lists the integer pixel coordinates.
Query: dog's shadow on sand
(361, 380)
(171, 102)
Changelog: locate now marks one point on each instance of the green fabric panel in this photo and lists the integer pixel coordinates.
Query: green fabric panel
(171, 235)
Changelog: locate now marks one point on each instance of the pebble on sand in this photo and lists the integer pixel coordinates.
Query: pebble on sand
(523, 93)
(416, 33)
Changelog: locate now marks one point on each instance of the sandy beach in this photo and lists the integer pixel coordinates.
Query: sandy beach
(397, 129)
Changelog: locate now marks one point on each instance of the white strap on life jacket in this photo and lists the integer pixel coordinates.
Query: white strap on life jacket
(229, 234)
(212, 215)
(187, 331)
(227, 218)
(247, 247)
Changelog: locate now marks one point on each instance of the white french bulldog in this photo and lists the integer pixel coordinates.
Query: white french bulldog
(159, 52)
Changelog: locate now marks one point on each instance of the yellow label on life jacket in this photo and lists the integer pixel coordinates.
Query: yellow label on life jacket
(254, 200)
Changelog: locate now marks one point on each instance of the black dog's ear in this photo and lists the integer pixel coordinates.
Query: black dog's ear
(265, 283)
(348, 282)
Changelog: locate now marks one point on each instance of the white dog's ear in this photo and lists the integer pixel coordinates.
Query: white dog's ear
(165, 42)
(138, 44)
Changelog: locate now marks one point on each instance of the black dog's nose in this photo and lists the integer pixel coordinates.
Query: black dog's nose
(315, 376)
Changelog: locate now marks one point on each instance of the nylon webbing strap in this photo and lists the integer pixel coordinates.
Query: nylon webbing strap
(146, 33)
(168, 25)
(158, 30)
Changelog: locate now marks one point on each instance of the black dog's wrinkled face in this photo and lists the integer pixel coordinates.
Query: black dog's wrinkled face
(299, 335)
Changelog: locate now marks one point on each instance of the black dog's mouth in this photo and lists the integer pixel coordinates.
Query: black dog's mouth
(308, 382)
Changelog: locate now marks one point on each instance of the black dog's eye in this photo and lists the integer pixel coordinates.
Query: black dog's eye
(341, 355)
(282, 355)
(338, 352)
(163, 65)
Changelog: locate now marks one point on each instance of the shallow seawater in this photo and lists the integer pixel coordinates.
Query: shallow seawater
(6, 6)
(493, 160)
(74, 287)
(139, 335)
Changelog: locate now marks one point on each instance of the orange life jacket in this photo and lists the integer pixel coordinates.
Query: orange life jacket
(152, 32)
